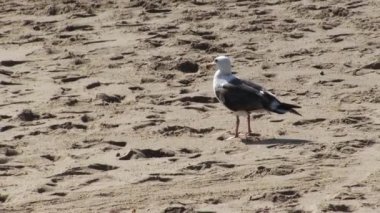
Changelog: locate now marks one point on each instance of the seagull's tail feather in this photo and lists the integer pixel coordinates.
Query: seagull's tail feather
(284, 107)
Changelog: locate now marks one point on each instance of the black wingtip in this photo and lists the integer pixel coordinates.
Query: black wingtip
(295, 112)
(290, 108)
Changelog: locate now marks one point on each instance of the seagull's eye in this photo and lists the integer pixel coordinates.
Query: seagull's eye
(216, 60)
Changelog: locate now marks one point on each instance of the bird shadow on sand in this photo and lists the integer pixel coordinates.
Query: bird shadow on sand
(273, 141)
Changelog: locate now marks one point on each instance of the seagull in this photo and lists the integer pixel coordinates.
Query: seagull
(243, 97)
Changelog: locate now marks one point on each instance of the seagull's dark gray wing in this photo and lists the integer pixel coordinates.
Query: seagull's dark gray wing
(249, 83)
(242, 95)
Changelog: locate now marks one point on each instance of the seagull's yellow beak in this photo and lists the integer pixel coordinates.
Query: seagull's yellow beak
(210, 65)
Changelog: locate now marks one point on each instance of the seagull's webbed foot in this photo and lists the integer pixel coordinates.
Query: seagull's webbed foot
(252, 136)
(232, 137)
(239, 135)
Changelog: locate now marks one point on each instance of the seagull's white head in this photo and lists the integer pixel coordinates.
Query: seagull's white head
(224, 64)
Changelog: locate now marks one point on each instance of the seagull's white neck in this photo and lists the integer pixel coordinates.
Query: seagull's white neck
(221, 78)
(226, 70)
(223, 73)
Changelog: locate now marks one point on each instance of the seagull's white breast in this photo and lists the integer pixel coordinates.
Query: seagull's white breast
(221, 79)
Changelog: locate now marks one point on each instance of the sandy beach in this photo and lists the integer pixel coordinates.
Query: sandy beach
(108, 106)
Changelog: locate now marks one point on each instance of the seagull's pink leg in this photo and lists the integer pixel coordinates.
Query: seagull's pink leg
(236, 130)
(237, 127)
(249, 124)
(249, 133)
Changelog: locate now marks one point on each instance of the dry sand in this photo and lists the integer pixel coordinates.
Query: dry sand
(106, 106)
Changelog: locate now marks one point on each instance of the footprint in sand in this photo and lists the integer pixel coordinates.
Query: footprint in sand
(180, 130)
(147, 153)
(90, 169)
(209, 164)
(350, 196)
(352, 146)
(278, 196)
(154, 178)
(50, 157)
(277, 171)
(102, 144)
(305, 122)
(178, 209)
(337, 208)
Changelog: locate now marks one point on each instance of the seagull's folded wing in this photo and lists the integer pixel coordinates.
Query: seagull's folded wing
(247, 96)
(243, 97)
